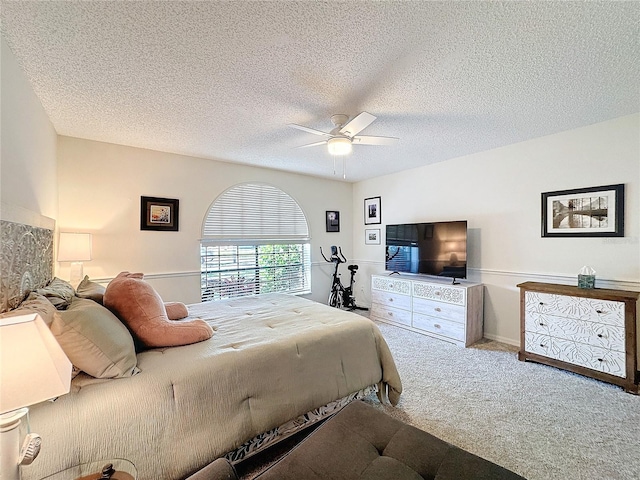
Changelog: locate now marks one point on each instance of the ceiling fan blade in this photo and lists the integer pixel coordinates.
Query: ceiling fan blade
(357, 124)
(324, 142)
(309, 130)
(369, 140)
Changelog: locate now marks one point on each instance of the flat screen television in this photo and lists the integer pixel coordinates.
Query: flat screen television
(436, 248)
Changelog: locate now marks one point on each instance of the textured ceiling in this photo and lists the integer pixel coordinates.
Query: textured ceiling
(223, 79)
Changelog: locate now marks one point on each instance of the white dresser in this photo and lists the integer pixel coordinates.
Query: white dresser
(429, 306)
(588, 331)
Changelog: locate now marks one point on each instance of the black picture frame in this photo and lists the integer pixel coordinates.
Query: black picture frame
(372, 210)
(584, 212)
(160, 214)
(333, 220)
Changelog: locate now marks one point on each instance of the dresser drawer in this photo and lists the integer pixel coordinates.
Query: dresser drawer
(589, 309)
(390, 314)
(391, 284)
(597, 334)
(447, 311)
(439, 326)
(538, 343)
(600, 359)
(440, 293)
(391, 299)
(576, 353)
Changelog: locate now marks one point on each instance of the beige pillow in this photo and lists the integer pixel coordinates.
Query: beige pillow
(34, 303)
(95, 340)
(59, 292)
(91, 290)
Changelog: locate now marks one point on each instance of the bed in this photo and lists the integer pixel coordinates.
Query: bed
(274, 364)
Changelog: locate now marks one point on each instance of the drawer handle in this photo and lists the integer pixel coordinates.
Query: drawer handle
(436, 325)
(391, 299)
(542, 345)
(541, 303)
(390, 314)
(437, 309)
(600, 360)
(599, 311)
(541, 324)
(599, 335)
(437, 293)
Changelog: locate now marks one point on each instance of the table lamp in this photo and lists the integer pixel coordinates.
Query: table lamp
(75, 248)
(33, 368)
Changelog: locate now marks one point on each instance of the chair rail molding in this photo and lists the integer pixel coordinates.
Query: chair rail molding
(569, 279)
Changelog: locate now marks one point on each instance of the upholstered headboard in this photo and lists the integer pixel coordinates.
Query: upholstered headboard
(26, 254)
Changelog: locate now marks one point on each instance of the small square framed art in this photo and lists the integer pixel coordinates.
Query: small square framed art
(159, 214)
(372, 236)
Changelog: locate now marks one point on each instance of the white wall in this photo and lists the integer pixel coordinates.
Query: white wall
(100, 186)
(499, 193)
(27, 144)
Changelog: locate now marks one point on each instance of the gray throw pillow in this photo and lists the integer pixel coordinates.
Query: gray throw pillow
(58, 292)
(95, 340)
(91, 290)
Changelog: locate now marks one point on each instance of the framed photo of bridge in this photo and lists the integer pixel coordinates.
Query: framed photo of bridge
(584, 212)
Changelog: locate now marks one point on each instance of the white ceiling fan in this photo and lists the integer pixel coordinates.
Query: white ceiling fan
(340, 140)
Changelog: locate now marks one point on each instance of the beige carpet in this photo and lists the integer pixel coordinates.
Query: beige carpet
(540, 422)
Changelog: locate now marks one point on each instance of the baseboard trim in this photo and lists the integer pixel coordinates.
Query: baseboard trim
(501, 339)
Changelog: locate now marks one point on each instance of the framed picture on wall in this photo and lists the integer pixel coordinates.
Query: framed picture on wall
(372, 210)
(333, 221)
(584, 212)
(372, 236)
(159, 214)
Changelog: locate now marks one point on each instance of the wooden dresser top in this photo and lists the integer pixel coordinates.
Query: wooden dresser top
(601, 293)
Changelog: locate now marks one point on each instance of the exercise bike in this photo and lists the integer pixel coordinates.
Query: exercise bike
(341, 296)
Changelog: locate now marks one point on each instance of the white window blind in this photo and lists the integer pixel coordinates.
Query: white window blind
(255, 212)
(255, 239)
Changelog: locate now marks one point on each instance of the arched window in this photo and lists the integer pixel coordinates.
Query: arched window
(255, 239)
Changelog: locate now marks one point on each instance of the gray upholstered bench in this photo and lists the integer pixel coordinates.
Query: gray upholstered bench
(361, 442)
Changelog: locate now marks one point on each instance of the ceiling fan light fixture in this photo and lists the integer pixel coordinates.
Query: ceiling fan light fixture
(339, 146)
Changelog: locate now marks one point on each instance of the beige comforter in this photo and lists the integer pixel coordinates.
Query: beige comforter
(271, 359)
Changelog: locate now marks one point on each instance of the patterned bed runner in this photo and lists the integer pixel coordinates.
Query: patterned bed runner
(267, 439)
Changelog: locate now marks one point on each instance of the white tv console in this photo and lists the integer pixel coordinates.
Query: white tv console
(430, 306)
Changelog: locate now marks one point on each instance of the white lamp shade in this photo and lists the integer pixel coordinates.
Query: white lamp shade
(74, 247)
(339, 146)
(33, 367)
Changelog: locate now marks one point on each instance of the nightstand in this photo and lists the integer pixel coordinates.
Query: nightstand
(121, 470)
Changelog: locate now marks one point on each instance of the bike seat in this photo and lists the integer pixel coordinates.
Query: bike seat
(352, 268)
